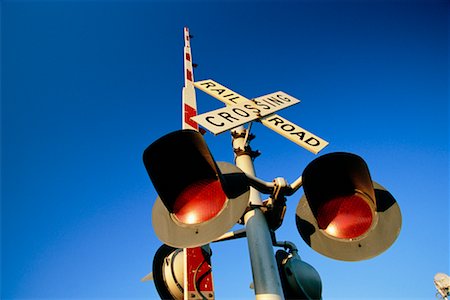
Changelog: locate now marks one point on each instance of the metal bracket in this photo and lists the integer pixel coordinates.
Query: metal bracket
(287, 246)
(280, 184)
(278, 188)
(274, 212)
(247, 151)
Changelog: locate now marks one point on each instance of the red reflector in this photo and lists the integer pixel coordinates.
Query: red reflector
(345, 217)
(199, 202)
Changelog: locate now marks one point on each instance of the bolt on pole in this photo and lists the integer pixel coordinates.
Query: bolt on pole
(266, 278)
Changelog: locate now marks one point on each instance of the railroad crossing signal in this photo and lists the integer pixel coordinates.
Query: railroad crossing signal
(199, 199)
(344, 214)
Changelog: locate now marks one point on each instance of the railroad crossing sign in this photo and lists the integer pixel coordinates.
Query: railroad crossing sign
(241, 110)
(231, 116)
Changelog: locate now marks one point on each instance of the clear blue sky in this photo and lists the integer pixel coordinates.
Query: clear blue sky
(87, 85)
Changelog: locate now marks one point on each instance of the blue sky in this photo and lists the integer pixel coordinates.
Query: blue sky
(87, 85)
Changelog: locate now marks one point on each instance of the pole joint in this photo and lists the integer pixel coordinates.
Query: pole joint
(247, 151)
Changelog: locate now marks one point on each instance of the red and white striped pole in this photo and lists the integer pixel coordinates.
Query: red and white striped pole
(189, 100)
(198, 283)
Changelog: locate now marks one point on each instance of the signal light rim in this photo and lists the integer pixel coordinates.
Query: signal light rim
(385, 230)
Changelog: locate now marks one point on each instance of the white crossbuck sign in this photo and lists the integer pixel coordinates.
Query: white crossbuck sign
(240, 110)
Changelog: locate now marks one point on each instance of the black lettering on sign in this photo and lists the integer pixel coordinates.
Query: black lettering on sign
(284, 98)
(268, 102)
(312, 142)
(208, 119)
(300, 134)
(275, 101)
(241, 112)
(249, 106)
(208, 84)
(227, 117)
(287, 127)
(231, 99)
(219, 91)
(292, 129)
(276, 120)
(262, 105)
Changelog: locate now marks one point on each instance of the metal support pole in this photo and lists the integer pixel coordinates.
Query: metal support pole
(264, 267)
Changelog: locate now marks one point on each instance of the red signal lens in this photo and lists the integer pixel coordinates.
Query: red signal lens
(346, 217)
(199, 202)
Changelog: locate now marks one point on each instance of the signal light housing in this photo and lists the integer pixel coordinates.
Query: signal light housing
(298, 278)
(179, 272)
(168, 272)
(199, 199)
(344, 214)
